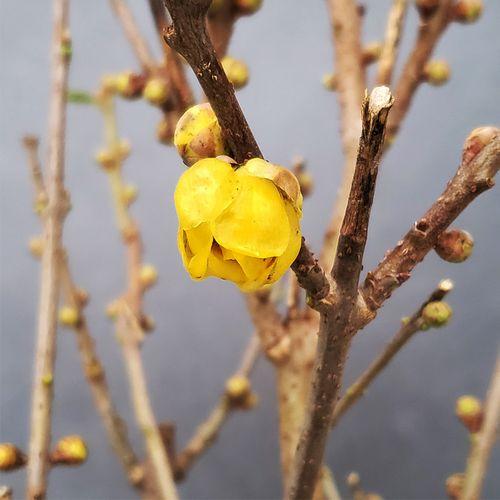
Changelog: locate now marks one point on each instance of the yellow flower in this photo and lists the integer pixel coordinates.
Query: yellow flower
(238, 225)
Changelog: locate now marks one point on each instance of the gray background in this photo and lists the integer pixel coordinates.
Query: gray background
(402, 437)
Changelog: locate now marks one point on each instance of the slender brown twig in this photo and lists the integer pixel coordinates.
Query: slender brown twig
(91, 364)
(484, 440)
(409, 328)
(136, 40)
(128, 325)
(351, 84)
(335, 330)
(390, 47)
(429, 33)
(207, 432)
(45, 352)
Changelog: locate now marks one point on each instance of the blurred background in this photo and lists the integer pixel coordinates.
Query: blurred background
(402, 437)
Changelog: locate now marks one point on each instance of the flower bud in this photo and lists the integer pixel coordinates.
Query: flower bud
(113, 309)
(123, 149)
(156, 91)
(11, 457)
(148, 275)
(437, 313)
(281, 351)
(329, 81)
(147, 323)
(41, 203)
(238, 388)
(35, 246)
(107, 159)
(436, 72)
(236, 71)
(247, 7)
(476, 141)
(70, 450)
(129, 85)
(426, 8)
(454, 245)
(198, 135)
(455, 485)
(469, 410)
(69, 316)
(82, 297)
(129, 194)
(306, 182)
(371, 52)
(467, 11)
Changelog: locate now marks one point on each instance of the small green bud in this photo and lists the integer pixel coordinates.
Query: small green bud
(437, 313)
(469, 410)
(436, 72)
(236, 71)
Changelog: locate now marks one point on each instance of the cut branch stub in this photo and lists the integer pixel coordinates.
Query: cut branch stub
(187, 35)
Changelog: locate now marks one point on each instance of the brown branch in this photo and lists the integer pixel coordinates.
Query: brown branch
(129, 330)
(91, 364)
(208, 431)
(413, 325)
(220, 26)
(429, 33)
(133, 35)
(45, 351)
(351, 83)
(480, 163)
(484, 440)
(335, 331)
(390, 47)
(188, 35)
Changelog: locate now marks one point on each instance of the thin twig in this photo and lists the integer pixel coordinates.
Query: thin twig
(413, 325)
(131, 30)
(484, 440)
(45, 352)
(390, 47)
(91, 364)
(207, 432)
(474, 176)
(128, 326)
(335, 331)
(429, 33)
(351, 84)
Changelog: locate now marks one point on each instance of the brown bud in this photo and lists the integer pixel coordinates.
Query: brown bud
(426, 8)
(455, 485)
(476, 141)
(130, 85)
(469, 410)
(247, 7)
(70, 450)
(371, 52)
(454, 245)
(11, 457)
(467, 11)
(82, 297)
(329, 81)
(147, 323)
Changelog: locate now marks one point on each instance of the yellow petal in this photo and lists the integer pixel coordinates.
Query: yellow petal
(285, 261)
(204, 191)
(256, 223)
(194, 247)
(224, 269)
(253, 267)
(280, 176)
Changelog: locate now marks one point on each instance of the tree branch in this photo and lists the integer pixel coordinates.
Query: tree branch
(429, 33)
(351, 84)
(413, 325)
(393, 31)
(133, 35)
(91, 364)
(45, 352)
(335, 332)
(484, 440)
(480, 163)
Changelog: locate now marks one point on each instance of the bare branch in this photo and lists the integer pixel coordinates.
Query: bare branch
(335, 332)
(351, 84)
(484, 440)
(134, 37)
(474, 176)
(91, 364)
(45, 352)
(393, 31)
(413, 325)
